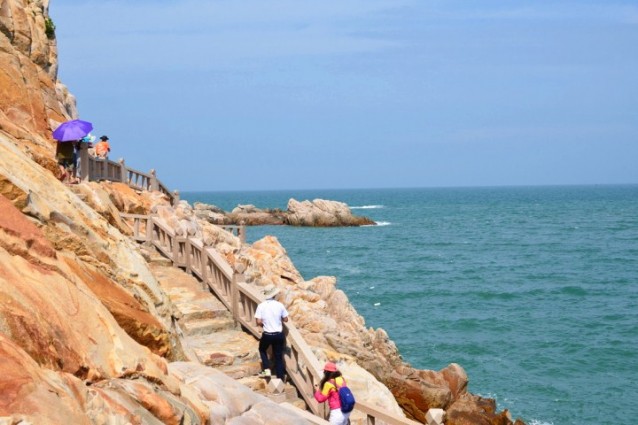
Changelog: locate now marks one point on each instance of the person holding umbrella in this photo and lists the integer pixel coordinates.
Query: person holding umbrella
(64, 154)
(67, 134)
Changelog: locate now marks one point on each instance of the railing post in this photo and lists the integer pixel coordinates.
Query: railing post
(175, 197)
(175, 251)
(154, 184)
(203, 259)
(241, 230)
(84, 162)
(234, 302)
(188, 253)
(123, 171)
(136, 227)
(102, 168)
(149, 228)
(238, 276)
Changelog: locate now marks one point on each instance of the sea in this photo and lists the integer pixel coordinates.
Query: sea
(532, 290)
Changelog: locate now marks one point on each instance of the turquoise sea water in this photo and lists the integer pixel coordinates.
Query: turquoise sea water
(533, 290)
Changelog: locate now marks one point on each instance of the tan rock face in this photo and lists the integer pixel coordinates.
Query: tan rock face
(28, 391)
(29, 100)
(470, 410)
(71, 225)
(126, 199)
(228, 401)
(48, 311)
(13, 223)
(129, 313)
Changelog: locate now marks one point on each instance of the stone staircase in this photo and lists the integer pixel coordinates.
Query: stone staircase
(210, 336)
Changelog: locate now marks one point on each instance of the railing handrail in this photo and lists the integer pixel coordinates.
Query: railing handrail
(241, 299)
(95, 169)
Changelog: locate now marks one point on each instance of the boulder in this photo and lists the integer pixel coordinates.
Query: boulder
(210, 213)
(230, 402)
(323, 213)
(435, 417)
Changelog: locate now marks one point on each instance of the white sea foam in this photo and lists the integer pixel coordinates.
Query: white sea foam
(379, 223)
(367, 207)
(377, 304)
(537, 422)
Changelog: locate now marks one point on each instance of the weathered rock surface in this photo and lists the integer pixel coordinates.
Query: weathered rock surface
(32, 100)
(322, 213)
(317, 213)
(48, 310)
(228, 399)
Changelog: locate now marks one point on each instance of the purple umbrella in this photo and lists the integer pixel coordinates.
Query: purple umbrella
(72, 130)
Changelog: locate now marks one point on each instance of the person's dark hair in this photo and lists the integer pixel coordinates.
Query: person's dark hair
(327, 376)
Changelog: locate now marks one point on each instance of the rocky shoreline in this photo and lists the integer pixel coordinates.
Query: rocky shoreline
(316, 213)
(333, 328)
(87, 333)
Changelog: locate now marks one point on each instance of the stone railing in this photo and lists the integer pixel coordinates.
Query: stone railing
(96, 169)
(241, 299)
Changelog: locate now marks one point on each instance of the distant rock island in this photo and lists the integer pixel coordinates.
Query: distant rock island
(317, 213)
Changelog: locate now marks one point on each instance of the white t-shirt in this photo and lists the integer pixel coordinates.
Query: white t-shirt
(271, 312)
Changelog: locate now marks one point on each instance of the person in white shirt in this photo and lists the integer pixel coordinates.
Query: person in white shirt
(270, 315)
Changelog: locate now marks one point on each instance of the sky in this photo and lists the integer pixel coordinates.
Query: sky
(330, 94)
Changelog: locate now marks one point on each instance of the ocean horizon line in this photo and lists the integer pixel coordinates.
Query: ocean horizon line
(558, 185)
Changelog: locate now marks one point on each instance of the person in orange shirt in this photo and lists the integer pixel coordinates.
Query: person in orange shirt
(102, 148)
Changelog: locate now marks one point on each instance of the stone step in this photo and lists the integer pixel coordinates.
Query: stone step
(254, 382)
(200, 310)
(241, 370)
(158, 259)
(233, 352)
(261, 385)
(206, 326)
(211, 337)
(196, 305)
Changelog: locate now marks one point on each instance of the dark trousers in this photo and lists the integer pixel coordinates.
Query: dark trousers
(278, 342)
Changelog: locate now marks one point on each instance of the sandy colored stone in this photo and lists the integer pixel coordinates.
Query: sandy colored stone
(29, 100)
(322, 213)
(33, 394)
(132, 317)
(36, 394)
(230, 402)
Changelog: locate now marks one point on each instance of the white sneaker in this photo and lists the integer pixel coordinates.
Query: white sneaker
(265, 373)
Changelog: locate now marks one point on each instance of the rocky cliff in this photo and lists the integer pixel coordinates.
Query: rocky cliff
(87, 334)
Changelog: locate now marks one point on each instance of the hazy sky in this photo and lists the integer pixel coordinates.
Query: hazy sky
(260, 94)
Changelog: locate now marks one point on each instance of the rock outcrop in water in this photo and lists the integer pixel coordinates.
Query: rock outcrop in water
(87, 334)
(316, 213)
